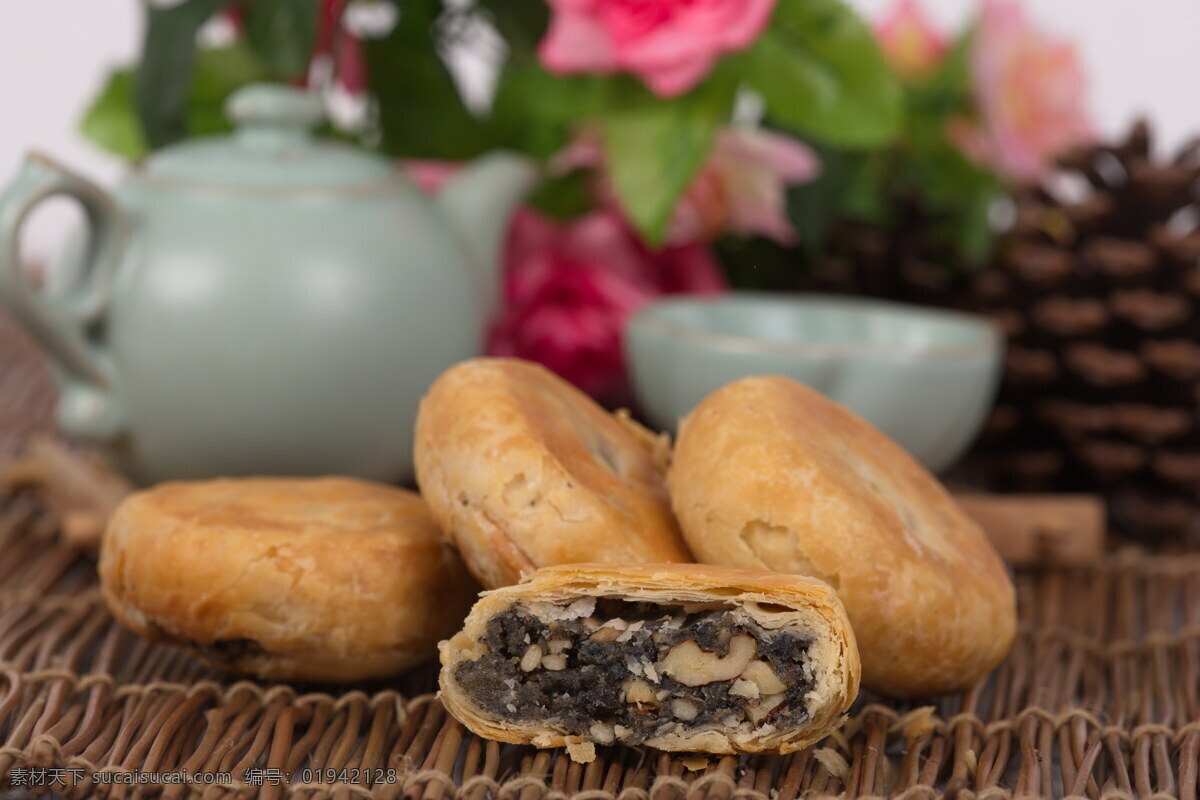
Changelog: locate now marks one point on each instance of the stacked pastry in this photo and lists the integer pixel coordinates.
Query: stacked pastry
(822, 542)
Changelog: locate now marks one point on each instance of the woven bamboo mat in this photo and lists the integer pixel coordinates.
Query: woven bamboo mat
(1100, 697)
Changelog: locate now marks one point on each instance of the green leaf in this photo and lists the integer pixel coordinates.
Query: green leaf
(564, 197)
(757, 263)
(865, 194)
(282, 34)
(821, 73)
(943, 175)
(814, 206)
(522, 23)
(165, 73)
(110, 121)
(421, 113)
(962, 194)
(654, 148)
(533, 110)
(945, 94)
(956, 194)
(537, 113)
(971, 229)
(852, 184)
(219, 73)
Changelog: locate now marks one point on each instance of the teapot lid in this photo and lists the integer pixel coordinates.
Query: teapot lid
(272, 146)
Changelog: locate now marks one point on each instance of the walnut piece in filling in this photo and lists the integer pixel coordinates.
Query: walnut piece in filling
(627, 671)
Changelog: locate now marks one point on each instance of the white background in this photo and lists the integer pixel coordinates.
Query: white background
(1143, 57)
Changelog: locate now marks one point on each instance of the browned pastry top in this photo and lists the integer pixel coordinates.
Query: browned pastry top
(522, 470)
(770, 474)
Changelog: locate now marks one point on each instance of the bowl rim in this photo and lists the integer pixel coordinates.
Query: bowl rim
(989, 341)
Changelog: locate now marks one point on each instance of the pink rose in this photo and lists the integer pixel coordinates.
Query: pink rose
(670, 44)
(742, 187)
(910, 42)
(570, 287)
(1030, 91)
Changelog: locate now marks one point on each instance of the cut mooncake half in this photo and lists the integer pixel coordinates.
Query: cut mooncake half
(681, 657)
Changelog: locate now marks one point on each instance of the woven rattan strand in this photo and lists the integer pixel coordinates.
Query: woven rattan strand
(1100, 697)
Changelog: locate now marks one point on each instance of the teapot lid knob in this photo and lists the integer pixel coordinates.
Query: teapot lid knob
(269, 106)
(273, 145)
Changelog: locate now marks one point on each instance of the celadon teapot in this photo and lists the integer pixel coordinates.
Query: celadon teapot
(264, 302)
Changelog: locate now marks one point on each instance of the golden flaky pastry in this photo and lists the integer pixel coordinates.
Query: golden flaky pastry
(678, 657)
(326, 579)
(771, 475)
(523, 470)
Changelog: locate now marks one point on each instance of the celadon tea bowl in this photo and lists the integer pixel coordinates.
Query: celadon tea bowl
(925, 377)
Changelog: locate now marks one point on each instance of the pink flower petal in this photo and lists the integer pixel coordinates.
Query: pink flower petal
(576, 42)
(670, 44)
(1030, 91)
(676, 79)
(741, 29)
(912, 44)
(690, 269)
(743, 188)
(585, 151)
(968, 138)
(790, 159)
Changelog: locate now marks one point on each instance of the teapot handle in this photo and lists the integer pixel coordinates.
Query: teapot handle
(65, 323)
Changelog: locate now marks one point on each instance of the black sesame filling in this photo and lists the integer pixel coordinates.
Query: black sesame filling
(607, 676)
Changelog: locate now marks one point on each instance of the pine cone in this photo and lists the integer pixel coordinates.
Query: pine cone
(1098, 288)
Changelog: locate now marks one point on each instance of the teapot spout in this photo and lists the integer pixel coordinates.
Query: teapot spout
(479, 201)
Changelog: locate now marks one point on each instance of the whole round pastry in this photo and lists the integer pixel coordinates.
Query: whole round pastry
(290, 579)
(769, 474)
(522, 470)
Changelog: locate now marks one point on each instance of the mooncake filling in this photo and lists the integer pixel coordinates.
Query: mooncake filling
(611, 670)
